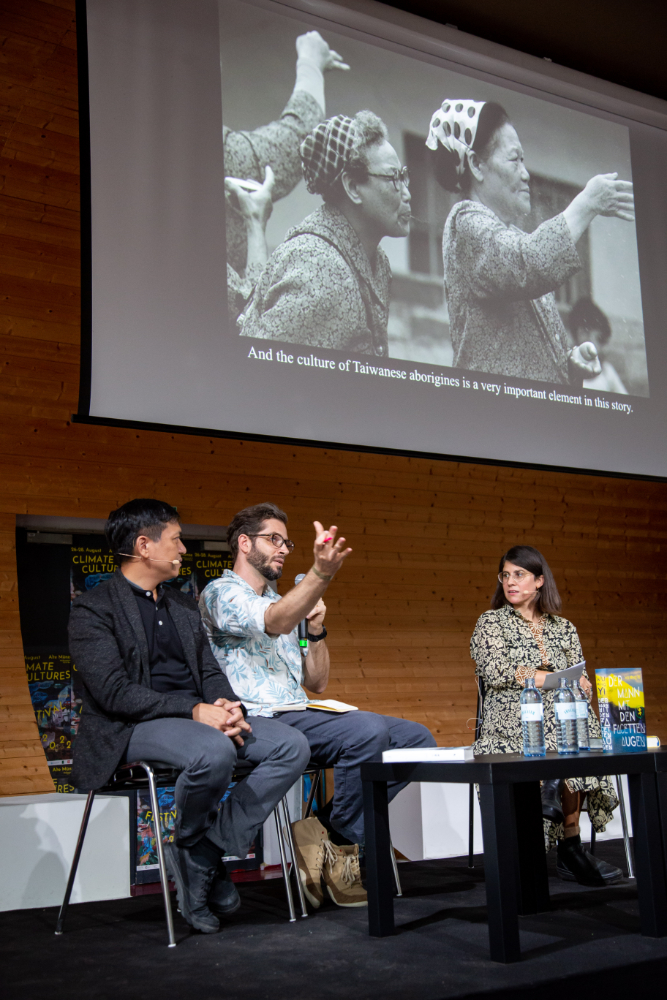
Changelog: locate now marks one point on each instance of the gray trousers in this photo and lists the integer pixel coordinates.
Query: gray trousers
(344, 742)
(206, 759)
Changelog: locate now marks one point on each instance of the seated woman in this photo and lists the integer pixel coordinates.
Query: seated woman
(524, 637)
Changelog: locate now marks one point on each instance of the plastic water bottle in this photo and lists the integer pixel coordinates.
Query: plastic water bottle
(566, 719)
(583, 737)
(532, 720)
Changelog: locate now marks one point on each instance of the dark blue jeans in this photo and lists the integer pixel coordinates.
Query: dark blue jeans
(344, 741)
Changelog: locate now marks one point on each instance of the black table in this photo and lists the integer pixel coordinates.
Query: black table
(515, 866)
(660, 762)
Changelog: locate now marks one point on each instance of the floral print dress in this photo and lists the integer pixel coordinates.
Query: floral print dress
(503, 643)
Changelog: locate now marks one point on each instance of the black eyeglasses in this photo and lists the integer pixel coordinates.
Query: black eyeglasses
(277, 540)
(398, 177)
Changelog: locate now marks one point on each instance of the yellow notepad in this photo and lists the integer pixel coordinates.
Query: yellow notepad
(327, 705)
(332, 706)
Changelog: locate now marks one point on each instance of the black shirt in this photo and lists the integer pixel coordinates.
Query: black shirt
(169, 670)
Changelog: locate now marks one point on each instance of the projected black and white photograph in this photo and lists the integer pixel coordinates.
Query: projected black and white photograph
(390, 208)
(308, 225)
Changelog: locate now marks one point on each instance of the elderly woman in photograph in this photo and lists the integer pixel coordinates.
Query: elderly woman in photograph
(499, 280)
(523, 636)
(327, 284)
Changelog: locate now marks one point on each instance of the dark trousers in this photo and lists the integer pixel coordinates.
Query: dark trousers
(206, 759)
(344, 741)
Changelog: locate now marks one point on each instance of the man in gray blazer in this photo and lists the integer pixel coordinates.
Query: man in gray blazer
(153, 690)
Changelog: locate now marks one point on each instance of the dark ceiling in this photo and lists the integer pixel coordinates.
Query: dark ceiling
(624, 41)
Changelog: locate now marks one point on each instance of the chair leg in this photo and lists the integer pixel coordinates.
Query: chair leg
(471, 826)
(394, 865)
(75, 862)
(314, 782)
(295, 867)
(283, 864)
(624, 823)
(157, 831)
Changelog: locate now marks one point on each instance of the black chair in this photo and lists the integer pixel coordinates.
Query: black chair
(471, 788)
(141, 775)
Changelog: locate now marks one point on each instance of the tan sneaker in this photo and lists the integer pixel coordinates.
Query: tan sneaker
(310, 839)
(342, 876)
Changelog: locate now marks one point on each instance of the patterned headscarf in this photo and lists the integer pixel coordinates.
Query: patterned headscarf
(325, 151)
(454, 125)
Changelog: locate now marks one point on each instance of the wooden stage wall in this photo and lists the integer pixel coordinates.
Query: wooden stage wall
(426, 534)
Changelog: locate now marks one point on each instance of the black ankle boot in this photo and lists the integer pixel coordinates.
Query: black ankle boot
(551, 804)
(575, 864)
(193, 870)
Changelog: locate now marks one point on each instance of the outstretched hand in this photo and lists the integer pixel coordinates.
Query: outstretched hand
(313, 47)
(329, 554)
(608, 196)
(252, 200)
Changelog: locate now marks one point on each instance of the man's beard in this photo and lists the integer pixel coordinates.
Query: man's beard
(263, 565)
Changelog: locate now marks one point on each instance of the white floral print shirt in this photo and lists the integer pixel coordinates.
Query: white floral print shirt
(264, 671)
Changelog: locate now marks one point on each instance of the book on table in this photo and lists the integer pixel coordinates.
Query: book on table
(424, 755)
(622, 710)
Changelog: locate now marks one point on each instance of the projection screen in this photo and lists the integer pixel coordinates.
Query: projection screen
(436, 299)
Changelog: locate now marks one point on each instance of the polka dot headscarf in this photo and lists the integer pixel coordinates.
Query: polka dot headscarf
(454, 126)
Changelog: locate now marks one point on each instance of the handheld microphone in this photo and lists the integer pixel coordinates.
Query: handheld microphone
(303, 624)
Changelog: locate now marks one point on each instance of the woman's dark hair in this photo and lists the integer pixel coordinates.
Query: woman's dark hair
(548, 600)
(492, 117)
(134, 518)
(249, 521)
(586, 316)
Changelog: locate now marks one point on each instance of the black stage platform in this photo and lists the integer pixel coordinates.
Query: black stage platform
(588, 946)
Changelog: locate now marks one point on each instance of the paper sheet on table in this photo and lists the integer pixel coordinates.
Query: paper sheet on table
(552, 680)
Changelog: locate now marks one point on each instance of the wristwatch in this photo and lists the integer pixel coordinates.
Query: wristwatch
(316, 638)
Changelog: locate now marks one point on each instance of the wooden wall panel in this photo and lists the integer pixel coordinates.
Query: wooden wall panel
(426, 534)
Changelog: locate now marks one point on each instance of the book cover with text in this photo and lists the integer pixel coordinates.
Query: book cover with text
(622, 711)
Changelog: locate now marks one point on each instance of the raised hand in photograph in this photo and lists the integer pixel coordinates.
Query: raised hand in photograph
(313, 47)
(499, 280)
(254, 203)
(276, 145)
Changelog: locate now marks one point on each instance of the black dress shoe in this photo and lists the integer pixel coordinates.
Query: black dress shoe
(193, 870)
(551, 804)
(576, 864)
(223, 898)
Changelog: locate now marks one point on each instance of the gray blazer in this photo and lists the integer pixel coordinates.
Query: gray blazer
(108, 645)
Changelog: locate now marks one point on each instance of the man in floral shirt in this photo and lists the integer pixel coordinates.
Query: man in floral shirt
(253, 635)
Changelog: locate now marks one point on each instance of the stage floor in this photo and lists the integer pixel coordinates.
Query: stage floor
(117, 949)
